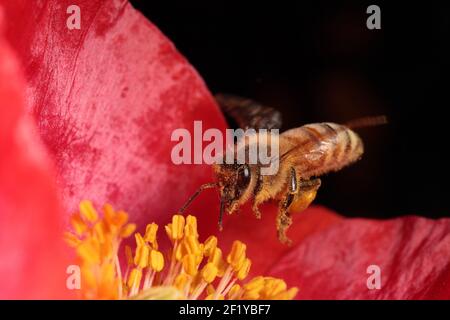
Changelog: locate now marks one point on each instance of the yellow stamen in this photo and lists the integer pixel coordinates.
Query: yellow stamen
(234, 291)
(175, 229)
(141, 256)
(191, 269)
(135, 278)
(192, 246)
(191, 226)
(156, 261)
(71, 239)
(209, 272)
(150, 234)
(237, 255)
(129, 255)
(181, 281)
(244, 270)
(210, 245)
(190, 264)
(128, 230)
(78, 224)
(87, 211)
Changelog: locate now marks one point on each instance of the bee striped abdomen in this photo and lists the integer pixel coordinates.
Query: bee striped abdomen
(322, 147)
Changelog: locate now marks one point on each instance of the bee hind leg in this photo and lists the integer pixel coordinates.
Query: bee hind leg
(284, 219)
(255, 207)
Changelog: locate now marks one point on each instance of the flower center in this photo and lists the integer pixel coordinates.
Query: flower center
(190, 269)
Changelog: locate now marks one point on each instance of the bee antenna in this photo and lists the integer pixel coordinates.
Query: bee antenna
(367, 122)
(195, 195)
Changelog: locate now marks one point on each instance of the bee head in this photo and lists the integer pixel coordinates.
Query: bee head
(233, 181)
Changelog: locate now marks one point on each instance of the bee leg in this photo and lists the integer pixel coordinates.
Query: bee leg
(255, 208)
(259, 198)
(284, 219)
(310, 184)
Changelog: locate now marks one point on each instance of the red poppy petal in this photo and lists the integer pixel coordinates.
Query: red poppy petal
(107, 98)
(31, 261)
(411, 253)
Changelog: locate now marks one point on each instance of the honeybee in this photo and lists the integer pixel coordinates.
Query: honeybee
(305, 154)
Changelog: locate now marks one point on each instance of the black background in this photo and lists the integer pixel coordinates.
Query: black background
(317, 61)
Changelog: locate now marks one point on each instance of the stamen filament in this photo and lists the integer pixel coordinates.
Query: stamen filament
(223, 282)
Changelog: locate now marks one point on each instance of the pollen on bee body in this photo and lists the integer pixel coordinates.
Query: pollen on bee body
(240, 146)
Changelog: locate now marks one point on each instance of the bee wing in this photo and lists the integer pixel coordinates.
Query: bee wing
(320, 148)
(245, 113)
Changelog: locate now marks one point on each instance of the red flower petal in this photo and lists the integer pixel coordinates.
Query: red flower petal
(412, 254)
(31, 260)
(330, 254)
(107, 98)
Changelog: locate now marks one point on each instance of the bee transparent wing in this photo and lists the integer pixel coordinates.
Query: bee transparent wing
(320, 148)
(245, 113)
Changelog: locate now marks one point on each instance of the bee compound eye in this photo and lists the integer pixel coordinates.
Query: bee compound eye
(246, 172)
(243, 179)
